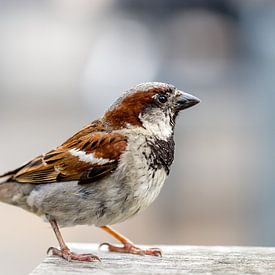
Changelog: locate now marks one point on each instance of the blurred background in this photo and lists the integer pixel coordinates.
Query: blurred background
(63, 62)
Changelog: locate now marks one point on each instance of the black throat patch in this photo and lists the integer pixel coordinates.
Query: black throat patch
(162, 154)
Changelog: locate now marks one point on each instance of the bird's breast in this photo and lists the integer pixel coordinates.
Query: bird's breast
(143, 167)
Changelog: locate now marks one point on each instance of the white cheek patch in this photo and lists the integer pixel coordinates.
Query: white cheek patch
(89, 158)
(159, 126)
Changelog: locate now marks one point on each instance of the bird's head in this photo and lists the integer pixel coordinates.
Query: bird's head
(152, 105)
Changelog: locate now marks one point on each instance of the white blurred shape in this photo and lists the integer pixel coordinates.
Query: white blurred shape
(40, 54)
(122, 56)
(80, 9)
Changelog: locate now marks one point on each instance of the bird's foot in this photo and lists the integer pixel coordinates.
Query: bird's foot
(68, 255)
(130, 248)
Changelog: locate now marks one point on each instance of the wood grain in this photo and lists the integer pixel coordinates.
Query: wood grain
(175, 260)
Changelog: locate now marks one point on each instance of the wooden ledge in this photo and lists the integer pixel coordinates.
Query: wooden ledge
(175, 260)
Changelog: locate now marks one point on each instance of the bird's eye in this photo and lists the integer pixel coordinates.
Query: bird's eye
(162, 98)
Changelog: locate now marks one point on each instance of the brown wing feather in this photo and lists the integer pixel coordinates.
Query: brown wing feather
(97, 172)
(61, 165)
(84, 133)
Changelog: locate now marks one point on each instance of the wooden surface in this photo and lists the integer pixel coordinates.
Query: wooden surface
(175, 260)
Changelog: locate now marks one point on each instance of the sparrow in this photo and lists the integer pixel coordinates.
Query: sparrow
(109, 171)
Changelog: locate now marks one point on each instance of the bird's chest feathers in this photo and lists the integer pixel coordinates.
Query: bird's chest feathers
(146, 164)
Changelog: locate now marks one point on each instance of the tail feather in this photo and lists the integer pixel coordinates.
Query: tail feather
(10, 173)
(5, 195)
(5, 177)
(8, 176)
(11, 192)
(8, 188)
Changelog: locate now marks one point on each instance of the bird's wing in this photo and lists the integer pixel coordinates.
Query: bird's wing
(88, 156)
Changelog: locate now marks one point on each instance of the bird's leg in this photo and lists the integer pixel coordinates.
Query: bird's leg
(64, 250)
(128, 246)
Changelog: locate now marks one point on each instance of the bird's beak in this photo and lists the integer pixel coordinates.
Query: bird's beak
(185, 101)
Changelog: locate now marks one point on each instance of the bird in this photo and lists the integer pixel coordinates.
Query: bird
(109, 171)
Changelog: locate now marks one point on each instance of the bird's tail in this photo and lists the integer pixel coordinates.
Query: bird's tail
(7, 176)
(4, 178)
(12, 192)
(7, 187)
